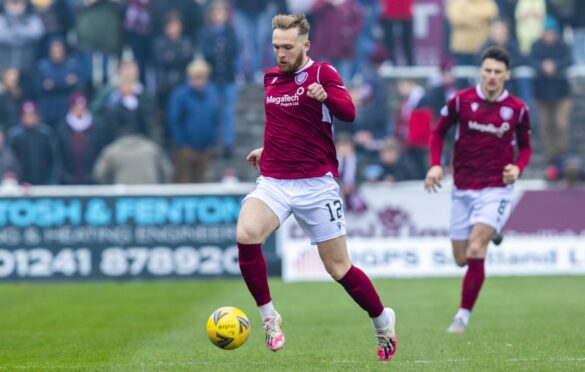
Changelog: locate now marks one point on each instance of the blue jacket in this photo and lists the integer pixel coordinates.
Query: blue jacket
(54, 102)
(192, 117)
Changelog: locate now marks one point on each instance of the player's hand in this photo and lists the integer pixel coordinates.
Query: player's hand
(254, 157)
(317, 92)
(510, 174)
(433, 178)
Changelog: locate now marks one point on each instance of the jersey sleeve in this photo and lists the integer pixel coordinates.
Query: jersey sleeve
(523, 139)
(449, 116)
(338, 100)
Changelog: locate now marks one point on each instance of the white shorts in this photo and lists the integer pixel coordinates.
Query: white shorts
(315, 203)
(490, 206)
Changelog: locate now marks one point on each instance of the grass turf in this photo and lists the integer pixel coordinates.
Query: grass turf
(526, 324)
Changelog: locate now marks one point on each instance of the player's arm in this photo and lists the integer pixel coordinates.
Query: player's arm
(449, 116)
(330, 90)
(513, 171)
(254, 156)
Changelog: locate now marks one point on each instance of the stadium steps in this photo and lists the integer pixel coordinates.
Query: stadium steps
(249, 135)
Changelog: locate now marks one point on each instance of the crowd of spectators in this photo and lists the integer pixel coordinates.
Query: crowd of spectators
(145, 91)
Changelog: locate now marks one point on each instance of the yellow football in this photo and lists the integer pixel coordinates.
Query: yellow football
(228, 328)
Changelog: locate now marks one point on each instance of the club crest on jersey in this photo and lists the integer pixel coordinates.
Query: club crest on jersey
(301, 77)
(506, 112)
(474, 106)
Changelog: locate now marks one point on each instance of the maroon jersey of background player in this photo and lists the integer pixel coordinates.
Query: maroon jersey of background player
(298, 140)
(485, 137)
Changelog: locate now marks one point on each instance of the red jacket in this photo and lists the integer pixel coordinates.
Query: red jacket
(396, 9)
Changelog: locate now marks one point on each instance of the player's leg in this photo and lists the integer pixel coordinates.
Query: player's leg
(357, 284)
(319, 210)
(460, 231)
(481, 235)
(255, 223)
(460, 251)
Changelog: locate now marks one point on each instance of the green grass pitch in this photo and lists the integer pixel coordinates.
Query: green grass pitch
(524, 324)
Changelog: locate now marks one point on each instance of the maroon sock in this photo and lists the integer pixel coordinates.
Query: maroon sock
(253, 268)
(361, 289)
(472, 282)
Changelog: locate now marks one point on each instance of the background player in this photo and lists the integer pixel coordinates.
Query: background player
(490, 123)
(297, 165)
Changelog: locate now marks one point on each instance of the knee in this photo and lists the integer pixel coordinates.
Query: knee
(247, 234)
(337, 270)
(461, 261)
(476, 249)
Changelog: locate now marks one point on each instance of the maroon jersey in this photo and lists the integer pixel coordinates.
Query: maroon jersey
(485, 139)
(298, 141)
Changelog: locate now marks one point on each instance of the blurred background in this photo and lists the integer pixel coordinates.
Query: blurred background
(89, 86)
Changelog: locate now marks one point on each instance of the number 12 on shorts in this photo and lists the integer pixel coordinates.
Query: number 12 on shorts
(334, 210)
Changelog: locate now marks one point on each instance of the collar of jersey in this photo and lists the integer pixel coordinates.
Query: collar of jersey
(306, 66)
(502, 96)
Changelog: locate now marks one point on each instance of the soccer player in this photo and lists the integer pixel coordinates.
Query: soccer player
(297, 166)
(491, 123)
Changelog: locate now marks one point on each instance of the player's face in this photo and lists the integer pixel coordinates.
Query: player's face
(493, 75)
(290, 49)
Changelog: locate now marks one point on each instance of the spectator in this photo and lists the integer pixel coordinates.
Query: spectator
(9, 165)
(192, 120)
(172, 53)
(572, 171)
(438, 95)
(413, 126)
(578, 23)
(20, 32)
(123, 104)
(436, 98)
(365, 41)
(551, 57)
(390, 166)
(220, 49)
(35, 148)
(529, 21)
(57, 19)
(469, 21)
(337, 23)
(58, 78)
(124, 111)
(99, 32)
(371, 102)
(562, 11)
(398, 13)
(507, 10)
(132, 159)
(11, 96)
(80, 142)
(252, 20)
(348, 163)
(137, 32)
(299, 6)
(190, 10)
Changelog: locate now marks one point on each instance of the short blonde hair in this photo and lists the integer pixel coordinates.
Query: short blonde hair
(289, 21)
(198, 68)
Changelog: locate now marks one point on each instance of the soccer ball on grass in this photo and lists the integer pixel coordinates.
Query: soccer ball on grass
(228, 328)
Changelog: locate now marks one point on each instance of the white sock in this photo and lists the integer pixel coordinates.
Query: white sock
(382, 321)
(463, 314)
(267, 310)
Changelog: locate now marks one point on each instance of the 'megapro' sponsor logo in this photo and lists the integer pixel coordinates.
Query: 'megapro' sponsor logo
(287, 100)
(490, 128)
